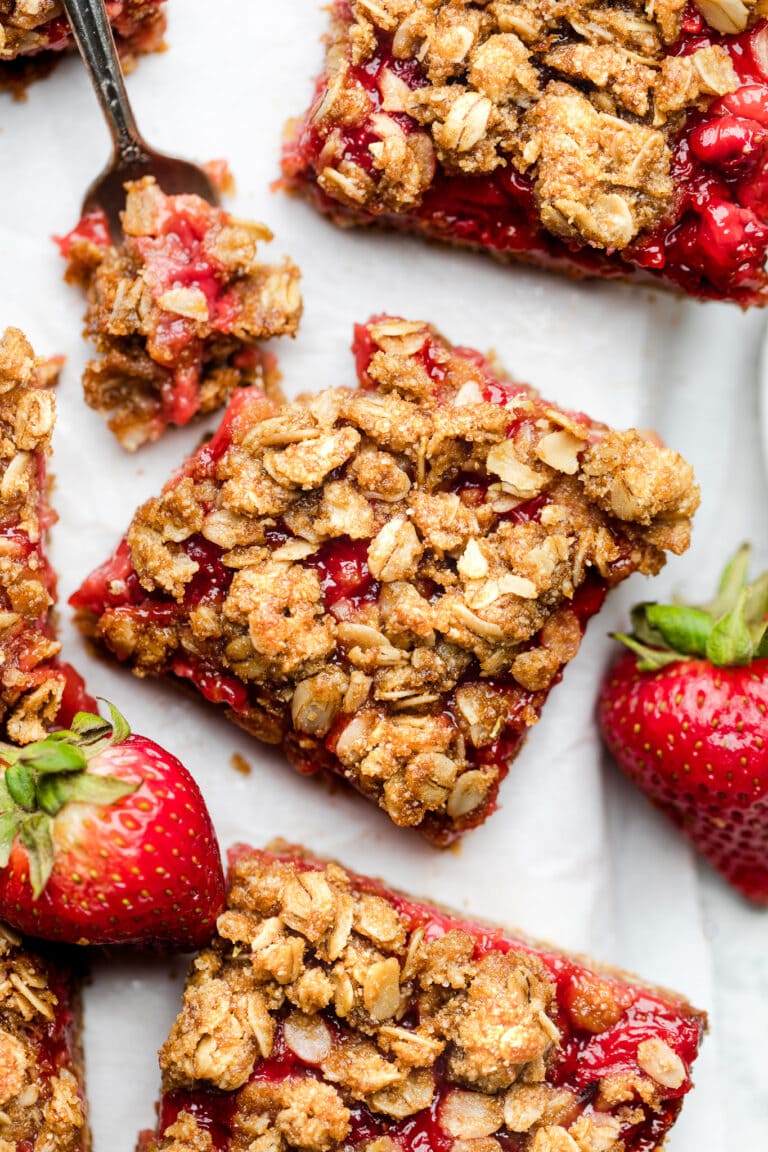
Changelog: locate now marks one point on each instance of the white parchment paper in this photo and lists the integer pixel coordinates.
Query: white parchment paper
(575, 855)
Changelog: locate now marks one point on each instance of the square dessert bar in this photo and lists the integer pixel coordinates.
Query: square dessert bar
(38, 31)
(388, 581)
(37, 690)
(42, 1100)
(603, 138)
(330, 1013)
(177, 310)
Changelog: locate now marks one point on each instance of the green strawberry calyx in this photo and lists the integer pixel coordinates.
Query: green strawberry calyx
(38, 780)
(732, 630)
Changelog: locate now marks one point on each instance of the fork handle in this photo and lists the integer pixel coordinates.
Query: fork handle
(93, 36)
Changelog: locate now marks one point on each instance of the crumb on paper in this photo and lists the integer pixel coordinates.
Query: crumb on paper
(221, 176)
(240, 764)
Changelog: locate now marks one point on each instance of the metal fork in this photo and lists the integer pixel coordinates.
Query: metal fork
(132, 157)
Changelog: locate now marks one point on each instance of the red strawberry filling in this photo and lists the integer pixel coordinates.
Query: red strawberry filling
(608, 1030)
(92, 228)
(60, 1038)
(713, 244)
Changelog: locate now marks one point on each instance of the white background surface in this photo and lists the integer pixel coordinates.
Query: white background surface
(575, 855)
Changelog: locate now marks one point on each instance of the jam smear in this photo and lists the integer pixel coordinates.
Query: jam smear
(76, 697)
(342, 565)
(93, 228)
(212, 579)
(213, 684)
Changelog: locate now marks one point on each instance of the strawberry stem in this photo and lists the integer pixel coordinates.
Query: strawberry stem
(36, 834)
(49, 756)
(683, 629)
(50, 794)
(21, 785)
(730, 641)
(731, 630)
(733, 579)
(42, 778)
(651, 659)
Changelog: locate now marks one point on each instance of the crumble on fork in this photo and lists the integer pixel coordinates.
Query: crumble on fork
(332, 1013)
(177, 310)
(388, 581)
(601, 137)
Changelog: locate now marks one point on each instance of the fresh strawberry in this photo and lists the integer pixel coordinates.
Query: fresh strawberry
(105, 839)
(685, 713)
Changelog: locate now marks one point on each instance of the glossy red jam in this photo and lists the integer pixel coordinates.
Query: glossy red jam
(242, 407)
(581, 1060)
(93, 228)
(212, 683)
(114, 583)
(342, 566)
(212, 579)
(713, 245)
(60, 1039)
(76, 697)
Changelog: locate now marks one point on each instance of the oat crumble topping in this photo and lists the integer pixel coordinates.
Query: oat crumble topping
(40, 1110)
(338, 1014)
(31, 686)
(389, 580)
(609, 138)
(584, 99)
(174, 343)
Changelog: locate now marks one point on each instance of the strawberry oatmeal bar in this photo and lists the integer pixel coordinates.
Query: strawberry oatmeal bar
(42, 1101)
(605, 138)
(37, 690)
(177, 310)
(34, 33)
(389, 580)
(330, 1013)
